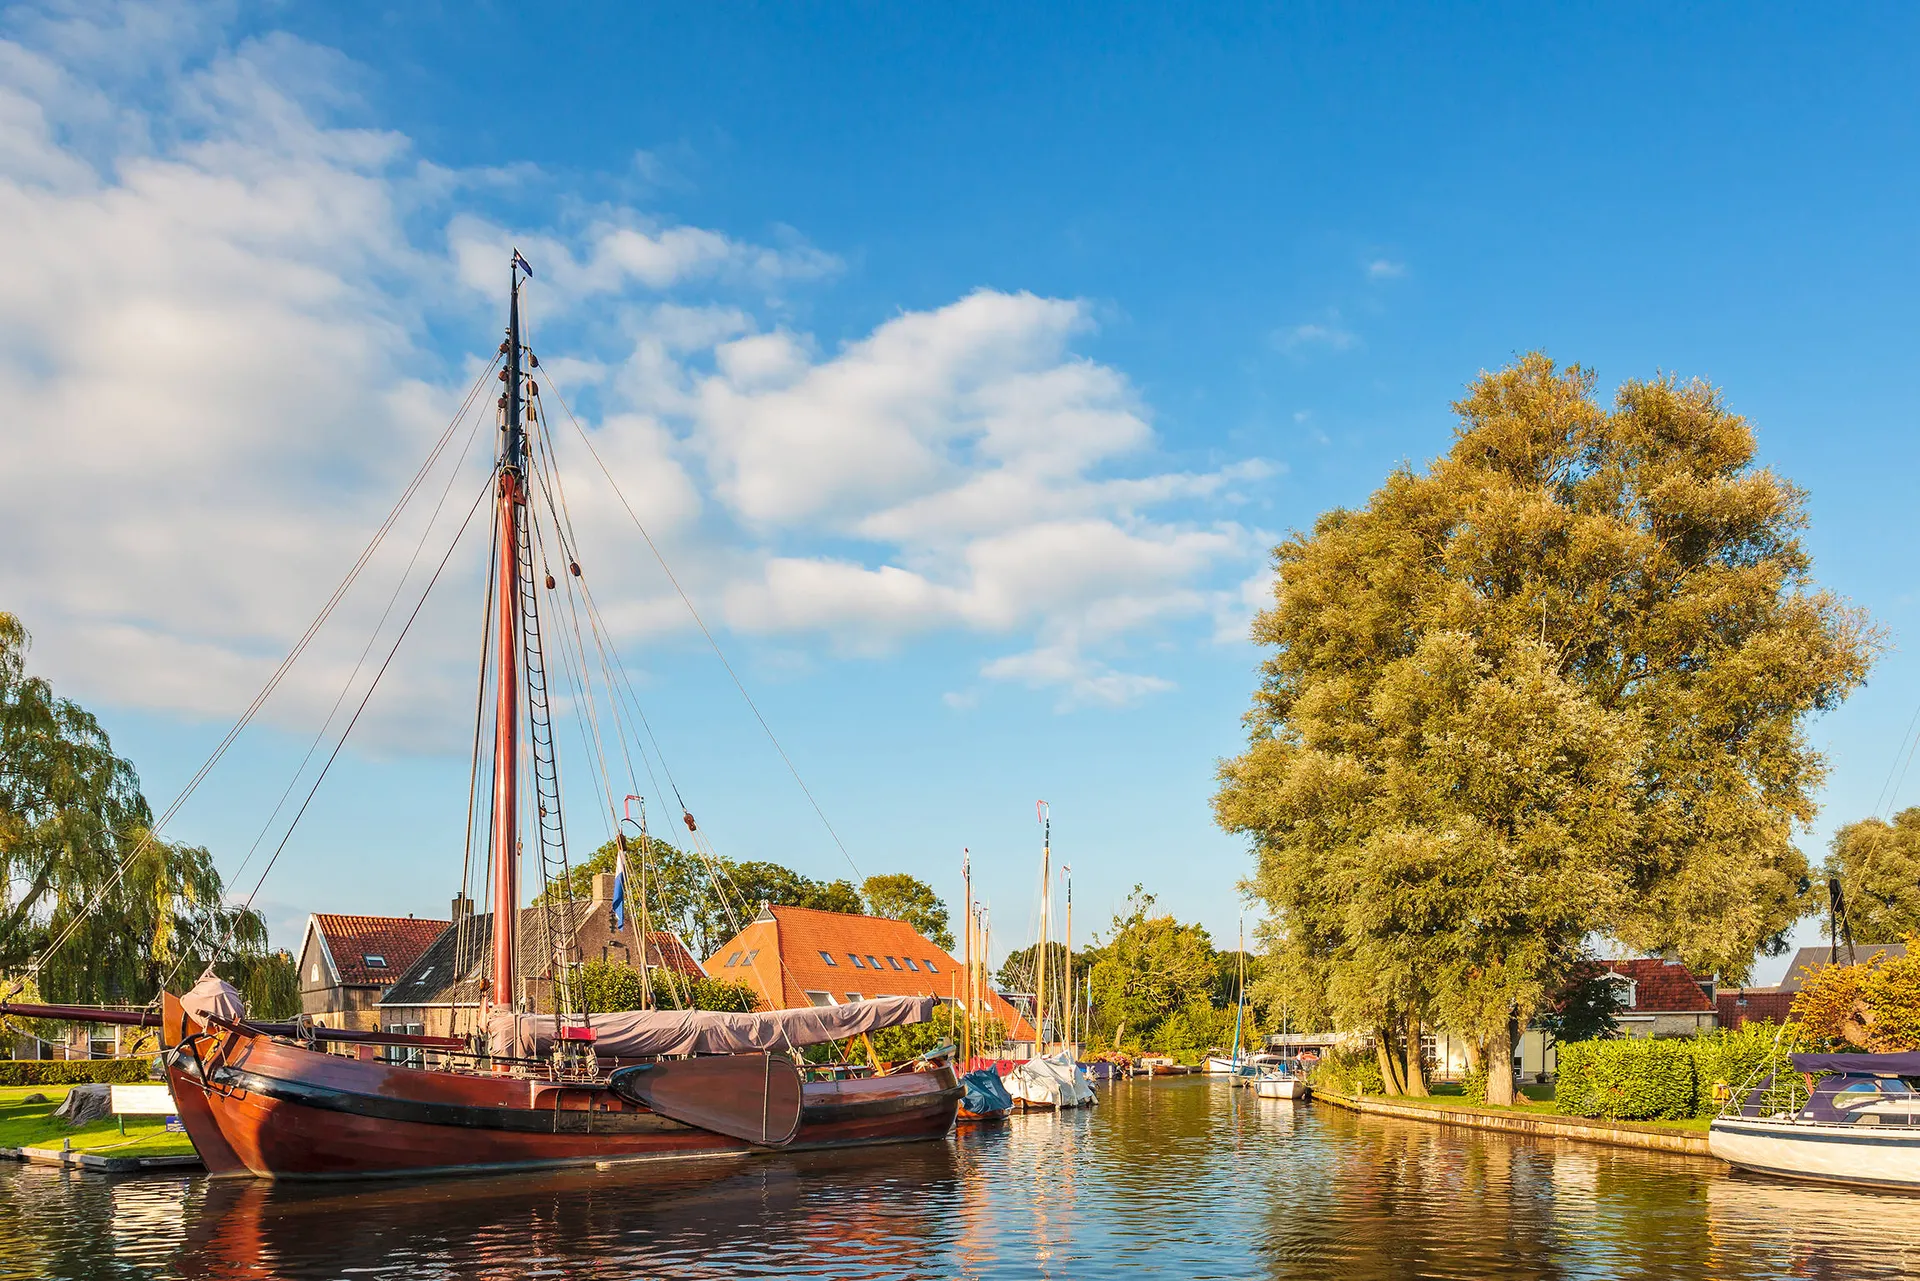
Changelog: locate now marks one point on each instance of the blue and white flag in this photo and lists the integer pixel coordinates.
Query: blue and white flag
(619, 908)
(521, 263)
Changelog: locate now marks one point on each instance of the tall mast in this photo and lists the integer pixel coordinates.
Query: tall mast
(966, 1029)
(509, 499)
(1040, 953)
(1066, 979)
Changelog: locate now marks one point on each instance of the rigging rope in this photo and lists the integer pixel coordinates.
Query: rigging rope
(273, 682)
(368, 696)
(704, 630)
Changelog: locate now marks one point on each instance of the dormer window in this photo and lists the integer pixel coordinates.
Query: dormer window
(1625, 990)
(374, 961)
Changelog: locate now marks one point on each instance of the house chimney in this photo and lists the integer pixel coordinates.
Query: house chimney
(462, 908)
(603, 887)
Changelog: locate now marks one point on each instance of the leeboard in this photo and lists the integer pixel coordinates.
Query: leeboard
(755, 1097)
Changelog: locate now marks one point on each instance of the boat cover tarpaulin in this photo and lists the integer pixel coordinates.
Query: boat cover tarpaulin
(1867, 1064)
(1054, 1081)
(651, 1033)
(986, 1094)
(214, 996)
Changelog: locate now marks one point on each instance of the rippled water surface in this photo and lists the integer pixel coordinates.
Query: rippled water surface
(1181, 1178)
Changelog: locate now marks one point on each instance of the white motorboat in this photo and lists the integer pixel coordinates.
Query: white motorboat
(1860, 1125)
(1279, 1083)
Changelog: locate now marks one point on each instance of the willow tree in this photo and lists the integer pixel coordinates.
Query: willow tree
(1878, 866)
(109, 911)
(1553, 685)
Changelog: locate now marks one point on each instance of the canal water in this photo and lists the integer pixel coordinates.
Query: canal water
(1180, 1178)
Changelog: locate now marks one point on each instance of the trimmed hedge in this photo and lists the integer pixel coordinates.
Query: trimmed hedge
(1657, 1079)
(74, 1071)
(1627, 1080)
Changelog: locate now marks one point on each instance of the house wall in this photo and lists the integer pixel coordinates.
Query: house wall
(1665, 1024)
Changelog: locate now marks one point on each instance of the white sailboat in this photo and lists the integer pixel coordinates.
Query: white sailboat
(1051, 1081)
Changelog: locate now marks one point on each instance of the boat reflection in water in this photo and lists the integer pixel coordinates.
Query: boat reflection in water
(726, 1217)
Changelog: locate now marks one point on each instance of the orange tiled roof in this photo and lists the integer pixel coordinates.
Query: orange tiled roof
(1662, 987)
(786, 943)
(397, 940)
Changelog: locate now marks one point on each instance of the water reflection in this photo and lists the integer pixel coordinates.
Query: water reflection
(1183, 1178)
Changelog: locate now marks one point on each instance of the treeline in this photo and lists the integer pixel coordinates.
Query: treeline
(707, 898)
(114, 913)
(1149, 983)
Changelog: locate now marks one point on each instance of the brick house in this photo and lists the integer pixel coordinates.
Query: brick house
(1736, 1006)
(348, 962)
(1659, 997)
(439, 995)
(799, 956)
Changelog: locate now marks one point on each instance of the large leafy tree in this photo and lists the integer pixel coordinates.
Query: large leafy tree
(1150, 967)
(910, 899)
(116, 912)
(1554, 684)
(1878, 866)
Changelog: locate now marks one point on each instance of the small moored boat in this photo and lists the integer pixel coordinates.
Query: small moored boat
(1859, 1125)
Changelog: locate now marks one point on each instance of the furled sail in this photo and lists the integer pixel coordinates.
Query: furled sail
(651, 1033)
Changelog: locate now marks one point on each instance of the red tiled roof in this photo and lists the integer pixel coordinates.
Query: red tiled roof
(1752, 1005)
(397, 940)
(1662, 987)
(788, 965)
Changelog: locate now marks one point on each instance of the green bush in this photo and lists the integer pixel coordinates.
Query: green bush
(1473, 1086)
(1628, 1080)
(1345, 1071)
(74, 1071)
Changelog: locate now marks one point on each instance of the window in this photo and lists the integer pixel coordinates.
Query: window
(856, 961)
(853, 996)
(912, 966)
(819, 998)
(750, 956)
(895, 964)
(873, 960)
(828, 958)
(732, 961)
(374, 961)
(316, 971)
(931, 967)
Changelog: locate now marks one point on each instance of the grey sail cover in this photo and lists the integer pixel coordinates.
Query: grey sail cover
(651, 1033)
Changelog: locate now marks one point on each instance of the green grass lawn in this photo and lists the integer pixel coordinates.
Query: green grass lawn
(1538, 1101)
(33, 1125)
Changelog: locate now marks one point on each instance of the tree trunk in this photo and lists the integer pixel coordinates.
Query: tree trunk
(1118, 1033)
(1500, 1067)
(1416, 1069)
(1476, 1054)
(1390, 1069)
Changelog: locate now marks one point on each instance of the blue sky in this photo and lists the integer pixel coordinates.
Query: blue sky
(1122, 294)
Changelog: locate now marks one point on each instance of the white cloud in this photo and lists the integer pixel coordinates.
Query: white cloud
(215, 330)
(1385, 269)
(1329, 335)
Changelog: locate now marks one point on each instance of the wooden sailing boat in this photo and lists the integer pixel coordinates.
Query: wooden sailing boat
(542, 1090)
(1049, 1081)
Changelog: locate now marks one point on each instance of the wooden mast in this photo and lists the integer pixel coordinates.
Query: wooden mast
(1066, 980)
(510, 498)
(1040, 952)
(966, 1029)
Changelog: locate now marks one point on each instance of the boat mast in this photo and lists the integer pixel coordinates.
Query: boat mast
(966, 1029)
(509, 500)
(1040, 953)
(1066, 980)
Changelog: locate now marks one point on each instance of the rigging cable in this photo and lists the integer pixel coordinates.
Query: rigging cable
(705, 631)
(273, 682)
(368, 696)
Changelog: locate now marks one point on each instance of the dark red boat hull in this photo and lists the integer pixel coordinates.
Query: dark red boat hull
(259, 1106)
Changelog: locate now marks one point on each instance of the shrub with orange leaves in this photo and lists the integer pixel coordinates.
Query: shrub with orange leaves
(1874, 1007)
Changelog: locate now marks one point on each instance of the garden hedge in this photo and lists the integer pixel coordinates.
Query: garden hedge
(74, 1071)
(1637, 1079)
